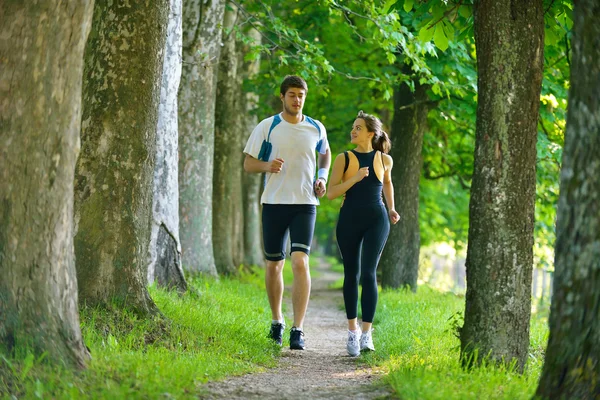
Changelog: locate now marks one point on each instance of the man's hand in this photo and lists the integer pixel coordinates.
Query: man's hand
(320, 187)
(275, 166)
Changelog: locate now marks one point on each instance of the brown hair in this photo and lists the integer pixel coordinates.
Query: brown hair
(292, 81)
(380, 141)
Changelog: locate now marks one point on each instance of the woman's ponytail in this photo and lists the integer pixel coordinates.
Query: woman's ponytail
(381, 141)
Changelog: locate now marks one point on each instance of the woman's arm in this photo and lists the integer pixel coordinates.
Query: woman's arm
(336, 188)
(388, 188)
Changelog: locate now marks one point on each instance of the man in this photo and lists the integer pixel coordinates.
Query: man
(284, 146)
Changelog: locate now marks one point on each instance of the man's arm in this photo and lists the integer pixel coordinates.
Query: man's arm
(324, 161)
(253, 165)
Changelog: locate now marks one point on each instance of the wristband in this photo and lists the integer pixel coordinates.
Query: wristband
(322, 174)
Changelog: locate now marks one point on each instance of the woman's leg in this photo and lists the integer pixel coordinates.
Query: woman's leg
(349, 238)
(372, 246)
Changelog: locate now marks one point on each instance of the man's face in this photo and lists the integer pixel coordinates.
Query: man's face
(293, 100)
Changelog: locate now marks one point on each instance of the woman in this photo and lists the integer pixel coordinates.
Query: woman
(361, 175)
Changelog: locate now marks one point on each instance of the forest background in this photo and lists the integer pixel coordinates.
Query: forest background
(159, 99)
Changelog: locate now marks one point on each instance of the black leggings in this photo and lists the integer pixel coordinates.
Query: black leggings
(361, 235)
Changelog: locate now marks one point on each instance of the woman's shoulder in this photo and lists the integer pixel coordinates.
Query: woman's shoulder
(344, 154)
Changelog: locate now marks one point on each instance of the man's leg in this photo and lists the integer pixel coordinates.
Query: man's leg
(274, 223)
(301, 233)
(274, 286)
(300, 287)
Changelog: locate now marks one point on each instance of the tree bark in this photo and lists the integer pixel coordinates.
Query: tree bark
(165, 247)
(572, 364)
(202, 27)
(41, 65)
(253, 249)
(400, 258)
(236, 161)
(113, 196)
(509, 36)
(226, 127)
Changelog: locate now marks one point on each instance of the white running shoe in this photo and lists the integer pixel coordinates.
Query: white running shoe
(366, 341)
(353, 345)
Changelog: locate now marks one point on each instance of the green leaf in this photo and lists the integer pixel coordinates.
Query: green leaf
(465, 11)
(439, 38)
(448, 30)
(426, 33)
(550, 38)
(408, 5)
(387, 94)
(391, 57)
(388, 4)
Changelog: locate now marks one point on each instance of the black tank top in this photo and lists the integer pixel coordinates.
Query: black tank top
(368, 191)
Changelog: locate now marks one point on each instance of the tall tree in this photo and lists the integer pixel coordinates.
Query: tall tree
(573, 354)
(113, 193)
(165, 248)
(226, 150)
(509, 38)
(400, 257)
(253, 250)
(41, 65)
(235, 149)
(202, 27)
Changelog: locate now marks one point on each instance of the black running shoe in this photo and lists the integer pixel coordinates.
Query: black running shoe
(296, 339)
(277, 333)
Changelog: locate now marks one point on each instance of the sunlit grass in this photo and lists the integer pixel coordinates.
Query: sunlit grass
(416, 343)
(217, 330)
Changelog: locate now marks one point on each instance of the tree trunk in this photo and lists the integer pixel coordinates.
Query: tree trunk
(572, 364)
(113, 196)
(509, 36)
(165, 248)
(400, 257)
(41, 65)
(202, 22)
(253, 249)
(236, 162)
(226, 134)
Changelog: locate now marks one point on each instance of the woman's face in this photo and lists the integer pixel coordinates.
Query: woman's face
(359, 134)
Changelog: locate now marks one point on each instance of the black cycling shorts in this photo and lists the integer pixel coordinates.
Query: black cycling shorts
(278, 220)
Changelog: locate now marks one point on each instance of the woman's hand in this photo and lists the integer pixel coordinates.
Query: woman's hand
(394, 216)
(361, 174)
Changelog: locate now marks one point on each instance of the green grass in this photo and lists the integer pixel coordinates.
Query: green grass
(415, 337)
(201, 340)
(416, 343)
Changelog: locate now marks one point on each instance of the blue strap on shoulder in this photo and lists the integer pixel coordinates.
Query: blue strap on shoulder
(266, 147)
(276, 121)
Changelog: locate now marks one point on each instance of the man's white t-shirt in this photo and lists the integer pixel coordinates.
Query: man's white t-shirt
(296, 144)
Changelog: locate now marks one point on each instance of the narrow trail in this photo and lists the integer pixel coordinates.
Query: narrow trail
(323, 370)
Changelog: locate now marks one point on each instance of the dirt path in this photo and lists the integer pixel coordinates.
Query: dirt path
(323, 370)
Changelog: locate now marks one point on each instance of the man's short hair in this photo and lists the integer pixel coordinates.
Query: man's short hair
(292, 81)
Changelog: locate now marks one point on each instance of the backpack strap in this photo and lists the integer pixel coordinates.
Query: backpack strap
(347, 161)
(276, 121)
